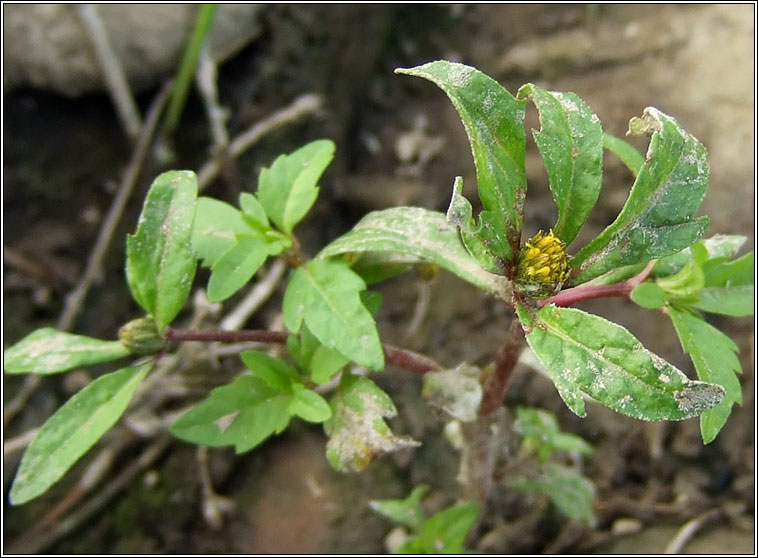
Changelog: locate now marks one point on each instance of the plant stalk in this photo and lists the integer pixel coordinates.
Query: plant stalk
(394, 356)
(569, 297)
(496, 384)
(484, 436)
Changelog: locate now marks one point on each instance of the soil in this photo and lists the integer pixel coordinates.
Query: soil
(399, 142)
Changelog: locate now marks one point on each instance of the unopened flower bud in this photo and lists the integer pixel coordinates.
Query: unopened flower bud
(542, 266)
(141, 336)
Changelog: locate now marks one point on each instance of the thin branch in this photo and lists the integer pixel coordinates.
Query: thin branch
(214, 505)
(394, 356)
(300, 107)
(206, 77)
(17, 443)
(569, 297)
(42, 540)
(689, 530)
(222, 336)
(115, 79)
(409, 360)
(75, 299)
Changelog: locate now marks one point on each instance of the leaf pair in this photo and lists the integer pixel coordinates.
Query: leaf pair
(236, 243)
(247, 411)
(254, 407)
(159, 269)
(586, 354)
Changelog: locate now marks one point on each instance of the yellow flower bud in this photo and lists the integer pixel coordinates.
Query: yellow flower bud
(542, 266)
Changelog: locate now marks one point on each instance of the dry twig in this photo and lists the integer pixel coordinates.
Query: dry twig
(35, 542)
(300, 107)
(115, 79)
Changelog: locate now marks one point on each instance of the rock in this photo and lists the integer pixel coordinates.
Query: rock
(47, 46)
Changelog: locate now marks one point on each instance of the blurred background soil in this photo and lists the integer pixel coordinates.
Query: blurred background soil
(399, 142)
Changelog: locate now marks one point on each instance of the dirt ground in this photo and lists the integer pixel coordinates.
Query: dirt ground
(399, 142)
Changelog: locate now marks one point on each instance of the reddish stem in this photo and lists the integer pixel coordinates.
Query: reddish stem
(496, 384)
(223, 336)
(569, 297)
(394, 356)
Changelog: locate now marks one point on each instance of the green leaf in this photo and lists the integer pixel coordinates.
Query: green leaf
(49, 351)
(624, 151)
(406, 511)
(241, 414)
(715, 360)
(185, 73)
(309, 405)
(648, 295)
(445, 532)
(657, 219)
(357, 430)
(456, 391)
(322, 362)
(494, 123)
(275, 372)
(236, 266)
(731, 301)
(736, 273)
(460, 214)
(160, 264)
(374, 267)
(584, 353)
(325, 364)
(719, 248)
(302, 347)
(326, 295)
(253, 212)
(422, 233)
(571, 493)
(289, 188)
(571, 144)
(215, 230)
(685, 283)
(73, 430)
(541, 433)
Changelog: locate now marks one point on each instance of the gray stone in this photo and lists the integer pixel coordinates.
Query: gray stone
(47, 46)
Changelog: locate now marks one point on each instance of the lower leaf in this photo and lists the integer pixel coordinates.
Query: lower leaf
(571, 493)
(73, 430)
(715, 360)
(49, 351)
(357, 430)
(243, 414)
(586, 354)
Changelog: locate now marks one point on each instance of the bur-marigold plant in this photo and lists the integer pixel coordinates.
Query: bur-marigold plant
(654, 253)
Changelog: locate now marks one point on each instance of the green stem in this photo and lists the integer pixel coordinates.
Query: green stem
(187, 66)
